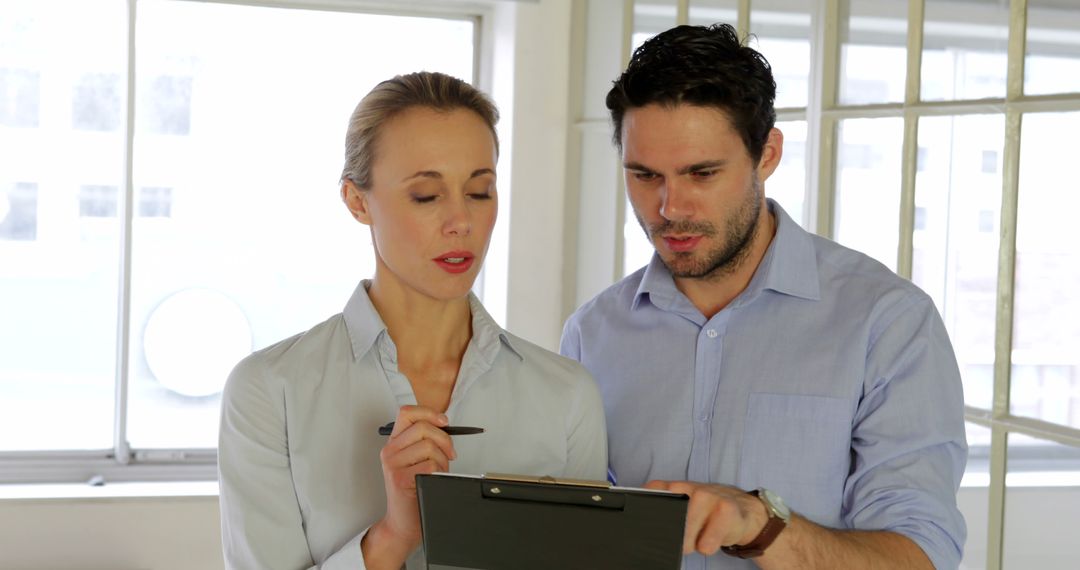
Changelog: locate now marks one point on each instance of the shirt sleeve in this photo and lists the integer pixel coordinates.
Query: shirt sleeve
(908, 440)
(570, 344)
(586, 432)
(261, 524)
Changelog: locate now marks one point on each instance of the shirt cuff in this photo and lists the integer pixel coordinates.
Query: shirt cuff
(348, 557)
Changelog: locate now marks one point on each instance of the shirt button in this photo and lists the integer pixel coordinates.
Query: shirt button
(711, 333)
(704, 418)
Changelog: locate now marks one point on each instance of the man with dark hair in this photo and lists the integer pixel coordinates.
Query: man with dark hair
(751, 354)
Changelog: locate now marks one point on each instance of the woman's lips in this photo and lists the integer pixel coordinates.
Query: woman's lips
(455, 261)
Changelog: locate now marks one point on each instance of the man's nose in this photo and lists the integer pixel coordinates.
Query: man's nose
(676, 202)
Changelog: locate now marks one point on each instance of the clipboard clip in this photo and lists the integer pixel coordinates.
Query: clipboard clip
(546, 479)
(547, 489)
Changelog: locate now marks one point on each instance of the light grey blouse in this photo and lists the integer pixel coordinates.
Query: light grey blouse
(299, 468)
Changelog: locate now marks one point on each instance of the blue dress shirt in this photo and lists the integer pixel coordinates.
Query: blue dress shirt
(829, 380)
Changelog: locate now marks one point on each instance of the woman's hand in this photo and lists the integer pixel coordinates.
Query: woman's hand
(417, 445)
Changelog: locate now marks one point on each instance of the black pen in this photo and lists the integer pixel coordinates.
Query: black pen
(450, 430)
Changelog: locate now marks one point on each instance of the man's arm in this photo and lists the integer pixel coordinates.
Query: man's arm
(720, 515)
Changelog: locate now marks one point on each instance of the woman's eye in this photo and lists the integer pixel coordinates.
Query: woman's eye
(423, 199)
(480, 196)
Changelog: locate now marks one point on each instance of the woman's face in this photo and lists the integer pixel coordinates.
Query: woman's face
(432, 202)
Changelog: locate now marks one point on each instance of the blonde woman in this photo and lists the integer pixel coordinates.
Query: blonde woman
(306, 479)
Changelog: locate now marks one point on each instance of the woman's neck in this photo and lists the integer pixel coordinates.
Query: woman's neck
(430, 334)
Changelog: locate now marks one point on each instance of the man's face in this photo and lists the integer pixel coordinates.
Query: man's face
(694, 188)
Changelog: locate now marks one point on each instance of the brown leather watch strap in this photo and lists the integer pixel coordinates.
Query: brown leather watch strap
(757, 547)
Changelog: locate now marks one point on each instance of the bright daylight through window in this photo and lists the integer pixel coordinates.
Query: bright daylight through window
(238, 237)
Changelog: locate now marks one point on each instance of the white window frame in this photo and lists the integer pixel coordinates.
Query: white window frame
(599, 213)
(123, 463)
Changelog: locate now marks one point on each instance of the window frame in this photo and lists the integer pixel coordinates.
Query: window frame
(823, 114)
(123, 463)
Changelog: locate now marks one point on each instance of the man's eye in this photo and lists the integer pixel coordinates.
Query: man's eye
(645, 176)
(704, 173)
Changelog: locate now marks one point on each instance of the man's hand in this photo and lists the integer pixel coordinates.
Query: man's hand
(718, 515)
(416, 446)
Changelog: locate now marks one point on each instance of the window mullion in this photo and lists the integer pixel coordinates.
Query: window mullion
(121, 448)
(995, 536)
(821, 127)
(909, 158)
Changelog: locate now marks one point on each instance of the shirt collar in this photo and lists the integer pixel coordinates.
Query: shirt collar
(789, 267)
(365, 326)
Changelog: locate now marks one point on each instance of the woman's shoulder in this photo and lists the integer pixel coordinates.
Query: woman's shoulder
(546, 363)
(282, 360)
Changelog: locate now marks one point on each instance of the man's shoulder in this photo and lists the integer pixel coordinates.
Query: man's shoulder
(852, 275)
(614, 299)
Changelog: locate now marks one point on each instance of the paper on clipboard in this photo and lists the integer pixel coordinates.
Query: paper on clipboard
(502, 521)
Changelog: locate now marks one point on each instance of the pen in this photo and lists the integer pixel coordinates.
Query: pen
(450, 430)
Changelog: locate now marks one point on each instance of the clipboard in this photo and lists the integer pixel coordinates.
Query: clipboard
(501, 521)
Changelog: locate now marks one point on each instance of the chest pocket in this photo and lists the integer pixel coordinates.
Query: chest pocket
(800, 447)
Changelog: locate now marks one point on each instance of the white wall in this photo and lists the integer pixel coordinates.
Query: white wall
(183, 533)
(165, 533)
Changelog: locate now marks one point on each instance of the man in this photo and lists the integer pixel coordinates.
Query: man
(752, 355)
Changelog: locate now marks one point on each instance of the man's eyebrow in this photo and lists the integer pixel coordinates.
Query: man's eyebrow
(636, 166)
(705, 165)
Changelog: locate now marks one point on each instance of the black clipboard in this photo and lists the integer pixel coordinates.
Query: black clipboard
(497, 522)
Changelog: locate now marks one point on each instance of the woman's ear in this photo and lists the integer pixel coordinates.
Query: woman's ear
(356, 200)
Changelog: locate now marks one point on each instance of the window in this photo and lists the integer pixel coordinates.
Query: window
(155, 202)
(98, 201)
(232, 209)
(18, 212)
(96, 102)
(943, 166)
(19, 94)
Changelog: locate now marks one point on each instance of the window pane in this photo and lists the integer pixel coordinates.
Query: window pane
(1046, 323)
(965, 49)
(58, 294)
(868, 186)
(957, 208)
(651, 18)
(787, 185)
(1042, 487)
(873, 51)
(240, 237)
(974, 497)
(1052, 64)
(782, 31)
(709, 12)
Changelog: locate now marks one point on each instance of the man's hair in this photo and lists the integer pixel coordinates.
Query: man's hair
(392, 97)
(703, 66)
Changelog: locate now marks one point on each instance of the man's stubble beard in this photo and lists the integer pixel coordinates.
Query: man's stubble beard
(721, 261)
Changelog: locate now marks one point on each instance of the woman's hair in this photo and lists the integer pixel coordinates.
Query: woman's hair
(390, 98)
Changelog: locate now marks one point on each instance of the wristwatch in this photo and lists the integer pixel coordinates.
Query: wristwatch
(779, 515)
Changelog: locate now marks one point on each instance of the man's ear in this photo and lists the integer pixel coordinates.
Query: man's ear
(356, 200)
(771, 154)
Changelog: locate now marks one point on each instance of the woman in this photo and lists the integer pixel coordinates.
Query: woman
(306, 479)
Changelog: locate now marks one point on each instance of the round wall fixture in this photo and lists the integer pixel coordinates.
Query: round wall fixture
(193, 339)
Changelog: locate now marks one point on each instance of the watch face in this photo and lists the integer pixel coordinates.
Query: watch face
(777, 503)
